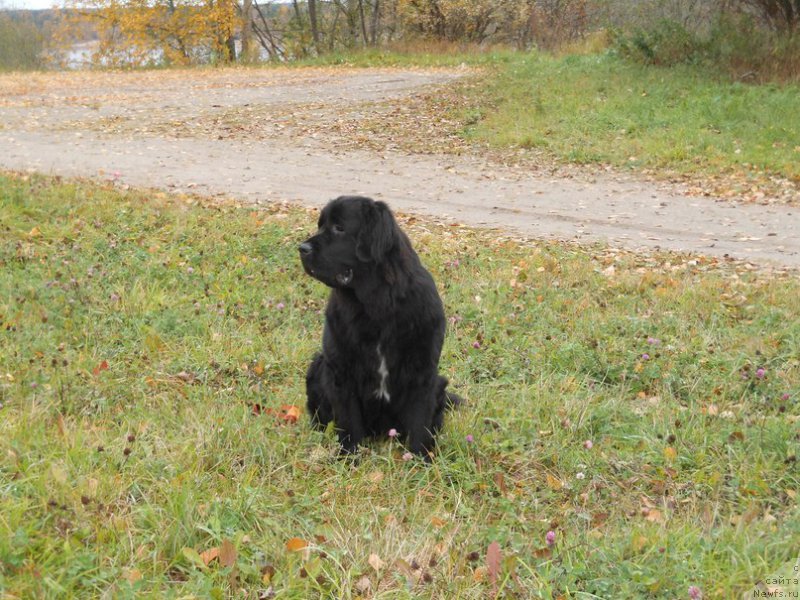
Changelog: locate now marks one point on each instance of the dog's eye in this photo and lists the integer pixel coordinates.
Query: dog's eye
(338, 228)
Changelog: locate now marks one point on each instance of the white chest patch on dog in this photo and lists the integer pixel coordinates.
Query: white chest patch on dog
(383, 372)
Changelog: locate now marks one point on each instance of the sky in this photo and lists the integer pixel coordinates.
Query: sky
(29, 4)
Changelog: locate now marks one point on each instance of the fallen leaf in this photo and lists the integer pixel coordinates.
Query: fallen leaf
(62, 427)
(267, 573)
(654, 516)
(193, 557)
(670, 453)
(185, 377)
(493, 557)
(500, 481)
(553, 482)
(101, 367)
(437, 522)
(208, 555)
(59, 474)
(290, 413)
(736, 436)
(363, 585)
(132, 575)
(375, 562)
(227, 554)
(295, 544)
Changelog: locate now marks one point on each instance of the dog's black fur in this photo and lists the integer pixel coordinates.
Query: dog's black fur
(384, 327)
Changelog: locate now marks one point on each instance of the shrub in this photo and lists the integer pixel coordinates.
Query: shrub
(734, 46)
(20, 44)
(666, 43)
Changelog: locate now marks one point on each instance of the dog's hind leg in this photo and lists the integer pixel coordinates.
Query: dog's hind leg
(445, 400)
(317, 403)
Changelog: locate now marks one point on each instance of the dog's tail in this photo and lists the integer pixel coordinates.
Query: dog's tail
(449, 399)
(453, 400)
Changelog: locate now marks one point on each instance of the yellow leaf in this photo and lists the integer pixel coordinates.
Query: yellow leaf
(34, 232)
(554, 483)
(209, 555)
(670, 454)
(295, 544)
(153, 343)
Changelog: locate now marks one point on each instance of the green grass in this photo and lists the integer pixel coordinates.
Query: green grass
(432, 55)
(600, 109)
(113, 480)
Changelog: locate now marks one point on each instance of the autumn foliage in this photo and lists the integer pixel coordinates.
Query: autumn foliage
(141, 32)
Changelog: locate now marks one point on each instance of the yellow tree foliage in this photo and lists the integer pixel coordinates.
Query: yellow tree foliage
(135, 33)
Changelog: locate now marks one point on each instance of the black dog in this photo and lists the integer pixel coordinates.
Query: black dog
(384, 327)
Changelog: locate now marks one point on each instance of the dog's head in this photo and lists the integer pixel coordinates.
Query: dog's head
(354, 234)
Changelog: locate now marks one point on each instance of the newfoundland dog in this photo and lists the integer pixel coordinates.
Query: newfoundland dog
(384, 327)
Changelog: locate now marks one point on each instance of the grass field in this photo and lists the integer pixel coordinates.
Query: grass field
(600, 109)
(152, 353)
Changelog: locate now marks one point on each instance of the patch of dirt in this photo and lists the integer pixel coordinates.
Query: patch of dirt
(429, 121)
(395, 134)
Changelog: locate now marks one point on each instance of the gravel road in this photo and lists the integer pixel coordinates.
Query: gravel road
(260, 135)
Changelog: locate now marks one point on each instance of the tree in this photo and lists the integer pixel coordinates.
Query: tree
(781, 15)
(140, 32)
(20, 43)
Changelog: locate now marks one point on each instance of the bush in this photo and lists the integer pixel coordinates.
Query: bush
(734, 46)
(20, 44)
(667, 43)
(751, 53)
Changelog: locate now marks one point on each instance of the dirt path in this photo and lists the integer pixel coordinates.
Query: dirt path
(277, 134)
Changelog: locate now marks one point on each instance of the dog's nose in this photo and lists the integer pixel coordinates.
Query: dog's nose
(305, 248)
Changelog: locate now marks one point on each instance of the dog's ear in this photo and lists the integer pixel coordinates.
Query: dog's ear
(378, 234)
